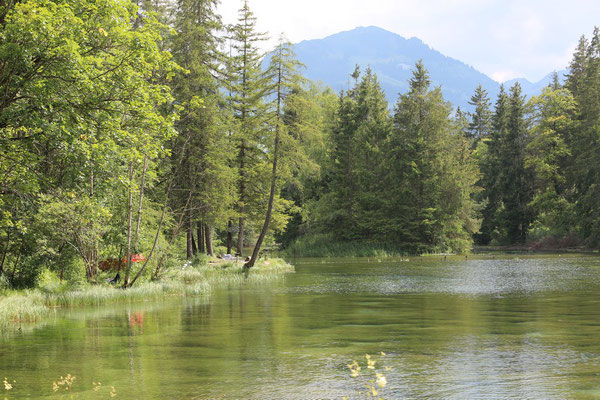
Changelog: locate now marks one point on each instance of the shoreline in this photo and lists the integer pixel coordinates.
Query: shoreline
(33, 305)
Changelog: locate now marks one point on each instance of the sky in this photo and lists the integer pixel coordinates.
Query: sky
(504, 39)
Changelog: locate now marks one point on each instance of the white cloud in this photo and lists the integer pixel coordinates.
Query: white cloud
(504, 75)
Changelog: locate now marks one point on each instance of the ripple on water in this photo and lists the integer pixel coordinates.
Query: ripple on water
(473, 277)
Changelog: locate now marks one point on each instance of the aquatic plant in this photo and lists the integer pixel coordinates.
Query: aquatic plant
(373, 380)
(64, 383)
(8, 386)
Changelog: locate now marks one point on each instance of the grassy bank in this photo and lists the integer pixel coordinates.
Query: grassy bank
(325, 245)
(18, 307)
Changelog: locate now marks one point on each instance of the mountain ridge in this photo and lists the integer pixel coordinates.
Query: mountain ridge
(332, 59)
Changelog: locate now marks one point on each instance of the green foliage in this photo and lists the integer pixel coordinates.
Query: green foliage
(481, 118)
(405, 180)
(548, 154)
(507, 180)
(83, 99)
(582, 140)
(125, 128)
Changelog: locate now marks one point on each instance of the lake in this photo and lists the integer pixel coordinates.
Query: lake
(510, 326)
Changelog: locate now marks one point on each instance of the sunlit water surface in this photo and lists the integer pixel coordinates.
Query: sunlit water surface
(487, 327)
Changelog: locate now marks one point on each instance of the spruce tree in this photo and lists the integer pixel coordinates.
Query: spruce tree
(584, 83)
(432, 175)
(490, 156)
(358, 160)
(205, 173)
(515, 179)
(480, 125)
(248, 85)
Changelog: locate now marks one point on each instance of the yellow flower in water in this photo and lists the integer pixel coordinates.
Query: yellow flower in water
(354, 369)
(371, 363)
(113, 392)
(382, 353)
(7, 386)
(54, 387)
(388, 368)
(381, 381)
(373, 391)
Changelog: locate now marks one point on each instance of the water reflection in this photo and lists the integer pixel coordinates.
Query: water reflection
(476, 328)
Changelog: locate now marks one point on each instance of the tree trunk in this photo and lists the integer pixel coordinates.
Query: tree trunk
(240, 238)
(160, 224)
(171, 240)
(200, 234)
(208, 236)
(265, 227)
(162, 216)
(4, 253)
(139, 212)
(92, 247)
(229, 236)
(14, 268)
(129, 223)
(194, 247)
(189, 248)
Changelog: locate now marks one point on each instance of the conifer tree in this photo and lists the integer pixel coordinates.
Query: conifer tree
(481, 118)
(583, 81)
(490, 161)
(205, 171)
(516, 215)
(283, 71)
(432, 173)
(248, 86)
(362, 127)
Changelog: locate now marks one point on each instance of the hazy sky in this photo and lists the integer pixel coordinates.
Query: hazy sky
(503, 38)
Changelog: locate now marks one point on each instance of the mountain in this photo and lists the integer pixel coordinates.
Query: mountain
(535, 88)
(392, 57)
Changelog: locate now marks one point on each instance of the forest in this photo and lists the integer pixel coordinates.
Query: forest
(150, 127)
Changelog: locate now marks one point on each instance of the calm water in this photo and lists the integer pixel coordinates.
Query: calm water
(477, 328)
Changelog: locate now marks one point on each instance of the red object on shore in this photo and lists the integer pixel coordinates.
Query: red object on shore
(135, 258)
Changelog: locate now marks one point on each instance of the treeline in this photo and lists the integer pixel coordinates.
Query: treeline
(425, 178)
(141, 128)
(404, 178)
(153, 128)
(539, 159)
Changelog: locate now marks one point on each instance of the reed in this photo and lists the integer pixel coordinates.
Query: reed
(34, 305)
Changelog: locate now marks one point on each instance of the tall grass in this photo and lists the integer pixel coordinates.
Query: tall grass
(34, 305)
(325, 245)
(22, 308)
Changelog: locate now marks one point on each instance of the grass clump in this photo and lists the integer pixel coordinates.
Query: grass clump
(22, 307)
(194, 278)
